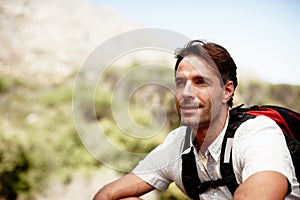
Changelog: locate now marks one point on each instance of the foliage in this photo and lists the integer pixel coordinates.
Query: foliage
(4, 85)
(39, 142)
(56, 96)
(250, 93)
(14, 165)
(130, 120)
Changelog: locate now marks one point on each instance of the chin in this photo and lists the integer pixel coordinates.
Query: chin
(195, 124)
(190, 123)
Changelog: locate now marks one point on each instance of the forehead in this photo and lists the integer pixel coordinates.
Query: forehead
(192, 65)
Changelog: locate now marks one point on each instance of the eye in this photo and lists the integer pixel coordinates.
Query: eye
(180, 82)
(200, 81)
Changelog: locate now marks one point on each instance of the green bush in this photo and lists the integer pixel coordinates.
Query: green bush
(4, 85)
(45, 146)
(14, 165)
(56, 96)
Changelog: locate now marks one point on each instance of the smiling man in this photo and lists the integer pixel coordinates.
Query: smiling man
(200, 98)
(205, 76)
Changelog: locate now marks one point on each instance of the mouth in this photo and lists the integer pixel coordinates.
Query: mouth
(190, 107)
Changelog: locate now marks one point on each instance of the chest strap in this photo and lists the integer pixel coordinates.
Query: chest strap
(190, 177)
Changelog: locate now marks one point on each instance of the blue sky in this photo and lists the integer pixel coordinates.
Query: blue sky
(263, 36)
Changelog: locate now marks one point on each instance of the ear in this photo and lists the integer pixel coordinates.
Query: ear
(228, 91)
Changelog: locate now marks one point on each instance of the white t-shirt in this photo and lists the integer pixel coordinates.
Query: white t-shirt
(258, 145)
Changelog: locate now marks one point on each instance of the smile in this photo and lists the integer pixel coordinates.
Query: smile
(190, 107)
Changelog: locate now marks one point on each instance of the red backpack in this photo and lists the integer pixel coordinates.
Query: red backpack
(287, 120)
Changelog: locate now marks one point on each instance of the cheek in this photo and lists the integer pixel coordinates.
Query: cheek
(203, 94)
(178, 95)
(177, 103)
(217, 95)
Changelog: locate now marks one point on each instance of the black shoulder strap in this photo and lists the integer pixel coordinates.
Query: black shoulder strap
(190, 178)
(189, 173)
(237, 117)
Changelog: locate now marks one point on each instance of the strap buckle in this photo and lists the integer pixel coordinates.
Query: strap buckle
(210, 184)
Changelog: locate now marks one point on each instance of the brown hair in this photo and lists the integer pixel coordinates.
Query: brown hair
(214, 54)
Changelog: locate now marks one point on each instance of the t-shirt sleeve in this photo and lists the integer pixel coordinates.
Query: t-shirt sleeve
(160, 165)
(152, 174)
(259, 145)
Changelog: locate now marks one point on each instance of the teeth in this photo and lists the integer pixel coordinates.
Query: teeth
(190, 107)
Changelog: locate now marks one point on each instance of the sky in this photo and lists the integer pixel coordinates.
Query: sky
(262, 36)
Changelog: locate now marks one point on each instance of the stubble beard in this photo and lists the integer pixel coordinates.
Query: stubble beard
(202, 121)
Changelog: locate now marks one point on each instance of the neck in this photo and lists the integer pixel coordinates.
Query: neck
(206, 135)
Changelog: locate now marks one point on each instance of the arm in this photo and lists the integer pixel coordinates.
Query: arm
(266, 185)
(264, 161)
(129, 185)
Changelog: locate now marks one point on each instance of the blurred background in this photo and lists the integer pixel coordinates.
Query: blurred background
(43, 45)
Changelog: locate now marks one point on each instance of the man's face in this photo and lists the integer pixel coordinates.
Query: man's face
(199, 93)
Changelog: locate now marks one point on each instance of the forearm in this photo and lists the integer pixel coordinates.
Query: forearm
(127, 187)
(104, 194)
(266, 185)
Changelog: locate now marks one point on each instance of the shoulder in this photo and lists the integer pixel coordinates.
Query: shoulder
(162, 165)
(258, 126)
(177, 133)
(257, 134)
(174, 139)
(169, 150)
(259, 145)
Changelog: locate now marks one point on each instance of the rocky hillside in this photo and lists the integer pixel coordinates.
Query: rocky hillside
(52, 38)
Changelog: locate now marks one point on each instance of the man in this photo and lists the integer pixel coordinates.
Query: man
(205, 84)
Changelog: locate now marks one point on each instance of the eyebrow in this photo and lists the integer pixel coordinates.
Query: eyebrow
(179, 79)
(193, 77)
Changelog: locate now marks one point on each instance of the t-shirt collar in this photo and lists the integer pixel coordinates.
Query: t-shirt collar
(214, 148)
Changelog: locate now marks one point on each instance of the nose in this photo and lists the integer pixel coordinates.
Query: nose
(188, 91)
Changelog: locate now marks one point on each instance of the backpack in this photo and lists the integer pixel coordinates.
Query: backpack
(287, 120)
